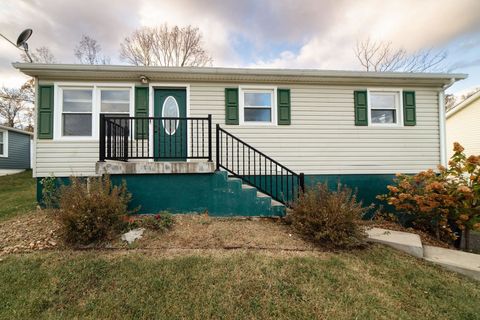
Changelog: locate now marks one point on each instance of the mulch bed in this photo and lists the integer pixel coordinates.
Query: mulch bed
(39, 231)
(29, 232)
(196, 231)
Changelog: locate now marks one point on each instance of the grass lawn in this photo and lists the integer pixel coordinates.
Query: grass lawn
(188, 273)
(378, 283)
(17, 194)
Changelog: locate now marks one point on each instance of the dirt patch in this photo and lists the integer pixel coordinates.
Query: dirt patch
(203, 232)
(38, 231)
(30, 232)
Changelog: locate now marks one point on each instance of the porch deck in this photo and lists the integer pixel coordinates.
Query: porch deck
(154, 167)
(183, 145)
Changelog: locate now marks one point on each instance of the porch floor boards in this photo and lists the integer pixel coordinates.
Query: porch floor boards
(153, 167)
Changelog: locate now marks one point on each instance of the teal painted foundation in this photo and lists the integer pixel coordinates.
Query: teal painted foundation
(188, 193)
(59, 182)
(185, 193)
(367, 186)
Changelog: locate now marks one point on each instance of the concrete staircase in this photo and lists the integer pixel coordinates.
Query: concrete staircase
(232, 197)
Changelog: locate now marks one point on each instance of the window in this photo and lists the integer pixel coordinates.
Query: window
(79, 108)
(170, 110)
(257, 106)
(3, 143)
(384, 107)
(115, 102)
(77, 112)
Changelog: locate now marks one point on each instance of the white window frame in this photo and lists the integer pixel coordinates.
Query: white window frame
(399, 108)
(96, 106)
(75, 112)
(99, 97)
(5, 144)
(241, 107)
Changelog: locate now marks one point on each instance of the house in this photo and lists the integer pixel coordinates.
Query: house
(15, 150)
(235, 141)
(463, 125)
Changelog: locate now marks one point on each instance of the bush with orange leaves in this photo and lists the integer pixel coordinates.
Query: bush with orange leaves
(436, 201)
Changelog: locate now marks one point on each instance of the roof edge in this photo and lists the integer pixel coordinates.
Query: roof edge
(462, 105)
(16, 130)
(35, 69)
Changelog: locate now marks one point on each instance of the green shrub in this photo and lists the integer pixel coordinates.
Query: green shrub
(329, 218)
(162, 221)
(50, 196)
(93, 210)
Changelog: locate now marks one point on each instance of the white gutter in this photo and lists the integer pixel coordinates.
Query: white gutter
(33, 164)
(442, 122)
(63, 71)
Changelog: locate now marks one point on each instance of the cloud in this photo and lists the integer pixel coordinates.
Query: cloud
(465, 64)
(413, 25)
(268, 33)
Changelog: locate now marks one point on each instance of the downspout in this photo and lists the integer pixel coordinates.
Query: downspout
(33, 161)
(442, 122)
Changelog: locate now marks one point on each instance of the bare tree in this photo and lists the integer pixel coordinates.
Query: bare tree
(450, 101)
(13, 105)
(40, 55)
(88, 51)
(165, 46)
(28, 90)
(383, 57)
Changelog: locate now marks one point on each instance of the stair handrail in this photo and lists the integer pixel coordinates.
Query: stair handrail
(297, 179)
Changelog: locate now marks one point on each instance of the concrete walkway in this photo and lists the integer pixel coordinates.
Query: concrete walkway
(454, 260)
(458, 261)
(7, 172)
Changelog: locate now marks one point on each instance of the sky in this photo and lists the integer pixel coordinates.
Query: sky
(313, 34)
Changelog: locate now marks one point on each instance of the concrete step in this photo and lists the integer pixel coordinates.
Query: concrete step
(264, 201)
(262, 195)
(276, 203)
(454, 260)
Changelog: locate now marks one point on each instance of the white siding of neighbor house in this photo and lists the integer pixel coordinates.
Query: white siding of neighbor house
(464, 127)
(322, 137)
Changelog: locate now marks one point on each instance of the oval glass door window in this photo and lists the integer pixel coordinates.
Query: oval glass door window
(170, 110)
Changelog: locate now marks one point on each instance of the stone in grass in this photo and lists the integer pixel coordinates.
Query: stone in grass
(133, 235)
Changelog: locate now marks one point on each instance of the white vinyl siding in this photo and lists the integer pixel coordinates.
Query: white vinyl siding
(322, 137)
(66, 158)
(463, 127)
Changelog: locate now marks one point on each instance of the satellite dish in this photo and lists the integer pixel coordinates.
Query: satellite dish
(22, 41)
(23, 37)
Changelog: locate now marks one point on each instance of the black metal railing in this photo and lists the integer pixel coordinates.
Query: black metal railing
(159, 138)
(257, 169)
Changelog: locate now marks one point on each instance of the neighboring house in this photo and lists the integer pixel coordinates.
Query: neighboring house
(15, 150)
(174, 133)
(463, 125)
